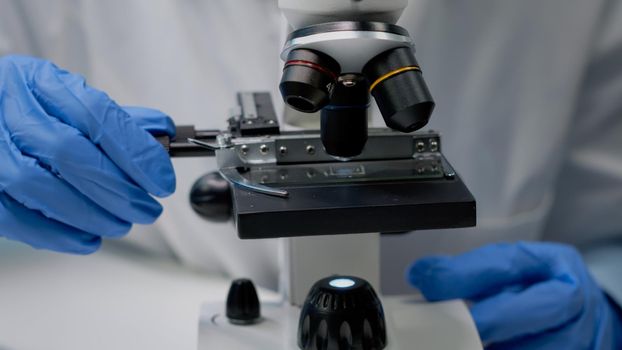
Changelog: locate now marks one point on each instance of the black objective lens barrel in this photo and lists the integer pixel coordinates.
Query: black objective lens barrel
(399, 89)
(308, 79)
(344, 121)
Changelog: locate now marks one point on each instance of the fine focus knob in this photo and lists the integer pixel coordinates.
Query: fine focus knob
(342, 313)
(242, 303)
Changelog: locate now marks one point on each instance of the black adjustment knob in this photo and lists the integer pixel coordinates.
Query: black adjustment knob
(342, 313)
(210, 197)
(242, 303)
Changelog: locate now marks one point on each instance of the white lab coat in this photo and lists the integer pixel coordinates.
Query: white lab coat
(528, 101)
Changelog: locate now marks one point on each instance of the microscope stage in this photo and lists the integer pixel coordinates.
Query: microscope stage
(342, 208)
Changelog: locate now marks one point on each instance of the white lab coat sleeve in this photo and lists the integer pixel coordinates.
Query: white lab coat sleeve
(53, 30)
(14, 37)
(588, 205)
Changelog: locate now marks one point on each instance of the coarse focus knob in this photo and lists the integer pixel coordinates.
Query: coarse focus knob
(242, 303)
(342, 313)
(211, 198)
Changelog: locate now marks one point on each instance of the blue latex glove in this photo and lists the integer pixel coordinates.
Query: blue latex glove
(74, 166)
(525, 296)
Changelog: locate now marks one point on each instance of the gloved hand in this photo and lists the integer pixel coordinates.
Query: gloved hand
(74, 166)
(525, 296)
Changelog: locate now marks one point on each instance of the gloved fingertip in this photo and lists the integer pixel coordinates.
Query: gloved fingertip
(149, 213)
(165, 181)
(430, 276)
(412, 274)
(89, 244)
(118, 230)
(168, 125)
(419, 270)
(80, 244)
(152, 120)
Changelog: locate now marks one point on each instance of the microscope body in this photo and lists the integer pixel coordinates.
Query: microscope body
(321, 193)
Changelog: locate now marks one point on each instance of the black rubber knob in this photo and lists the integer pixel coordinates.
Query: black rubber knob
(210, 197)
(242, 303)
(342, 313)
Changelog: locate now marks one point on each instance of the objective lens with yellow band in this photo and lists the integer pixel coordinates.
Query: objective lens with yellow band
(390, 74)
(399, 89)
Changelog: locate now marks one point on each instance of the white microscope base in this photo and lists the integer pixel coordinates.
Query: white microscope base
(411, 324)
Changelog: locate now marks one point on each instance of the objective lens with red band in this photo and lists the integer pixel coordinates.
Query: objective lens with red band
(310, 65)
(308, 79)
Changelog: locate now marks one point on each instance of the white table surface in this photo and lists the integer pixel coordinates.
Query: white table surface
(115, 299)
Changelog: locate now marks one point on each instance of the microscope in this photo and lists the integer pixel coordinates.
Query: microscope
(328, 194)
